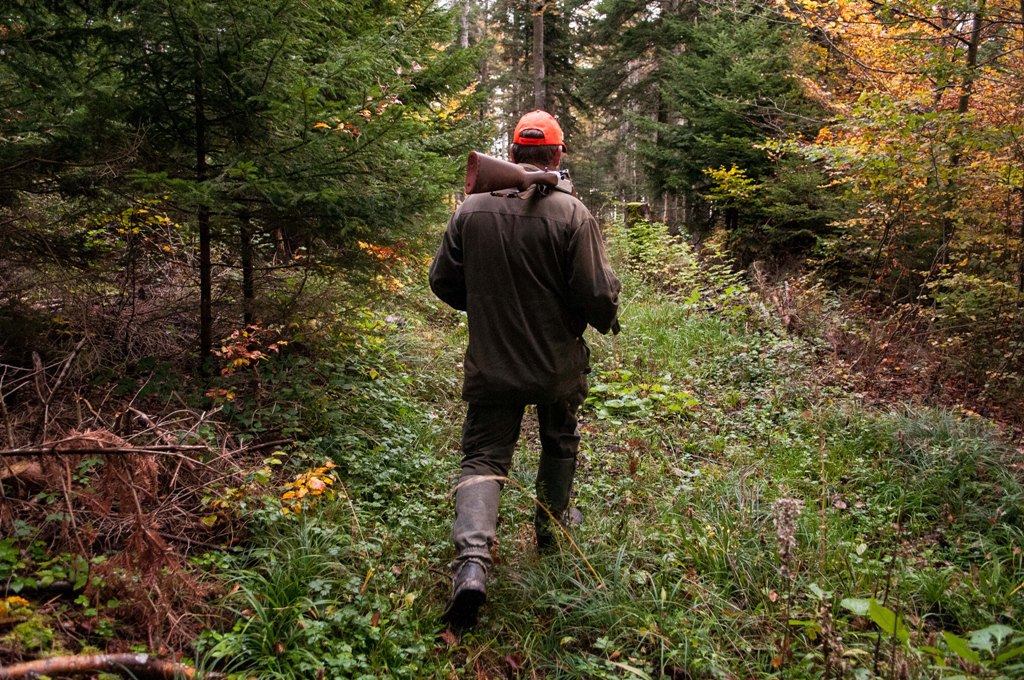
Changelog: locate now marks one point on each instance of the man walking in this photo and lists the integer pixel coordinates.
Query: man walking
(530, 270)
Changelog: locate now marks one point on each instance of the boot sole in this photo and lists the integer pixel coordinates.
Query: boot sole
(463, 610)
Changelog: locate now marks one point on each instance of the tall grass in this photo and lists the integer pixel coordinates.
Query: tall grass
(704, 413)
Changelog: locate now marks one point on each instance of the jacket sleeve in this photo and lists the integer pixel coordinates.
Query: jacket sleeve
(592, 283)
(447, 272)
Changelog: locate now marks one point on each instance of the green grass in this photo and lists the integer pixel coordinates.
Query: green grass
(703, 414)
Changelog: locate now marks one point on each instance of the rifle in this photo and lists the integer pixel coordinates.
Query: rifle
(485, 174)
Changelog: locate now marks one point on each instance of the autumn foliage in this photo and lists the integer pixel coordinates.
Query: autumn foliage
(925, 136)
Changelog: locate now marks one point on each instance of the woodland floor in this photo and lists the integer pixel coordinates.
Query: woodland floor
(755, 507)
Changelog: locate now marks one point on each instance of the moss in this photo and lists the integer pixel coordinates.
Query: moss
(32, 635)
(636, 212)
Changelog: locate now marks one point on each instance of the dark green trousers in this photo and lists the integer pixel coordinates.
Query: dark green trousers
(489, 438)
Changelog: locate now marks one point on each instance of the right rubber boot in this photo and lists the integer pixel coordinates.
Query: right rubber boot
(469, 592)
(473, 533)
(554, 484)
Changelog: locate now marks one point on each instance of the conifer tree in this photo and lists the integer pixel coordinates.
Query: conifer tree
(729, 92)
(628, 44)
(321, 123)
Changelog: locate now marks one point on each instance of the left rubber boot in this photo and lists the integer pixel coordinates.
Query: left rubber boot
(476, 518)
(554, 484)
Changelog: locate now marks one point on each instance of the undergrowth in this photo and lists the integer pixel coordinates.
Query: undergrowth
(747, 512)
(705, 417)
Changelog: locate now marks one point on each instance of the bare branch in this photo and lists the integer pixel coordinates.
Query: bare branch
(99, 450)
(140, 665)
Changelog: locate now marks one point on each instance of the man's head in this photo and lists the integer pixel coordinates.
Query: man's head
(538, 140)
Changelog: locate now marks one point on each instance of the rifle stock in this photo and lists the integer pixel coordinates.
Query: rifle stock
(485, 174)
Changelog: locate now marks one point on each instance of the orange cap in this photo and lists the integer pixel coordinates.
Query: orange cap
(537, 128)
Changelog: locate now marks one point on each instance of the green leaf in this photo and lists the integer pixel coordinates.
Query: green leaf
(983, 639)
(818, 592)
(81, 580)
(858, 606)
(630, 669)
(812, 628)
(888, 621)
(1010, 654)
(959, 646)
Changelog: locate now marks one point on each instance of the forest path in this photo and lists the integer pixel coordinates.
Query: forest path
(730, 485)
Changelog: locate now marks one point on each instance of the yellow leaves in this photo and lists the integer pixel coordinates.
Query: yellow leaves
(220, 395)
(447, 110)
(243, 348)
(142, 224)
(307, 488)
(379, 252)
(229, 497)
(731, 186)
(337, 126)
(388, 258)
(9, 604)
(389, 283)
(13, 607)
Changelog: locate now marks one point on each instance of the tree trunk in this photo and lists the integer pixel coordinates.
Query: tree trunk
(732, 219)
(203, 222)
(539, 93)
(464, 24)
(485, 74)
(963, 106)
(516, 63)
(248, 287)
(1020, 264)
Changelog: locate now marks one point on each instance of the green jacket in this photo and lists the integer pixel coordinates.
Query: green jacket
(531, 272)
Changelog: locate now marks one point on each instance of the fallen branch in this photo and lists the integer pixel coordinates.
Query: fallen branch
(37, 588)
(190, 541)
(165, 436)
(49, 450)
(267, 445)
(40, 374)
(139, 665)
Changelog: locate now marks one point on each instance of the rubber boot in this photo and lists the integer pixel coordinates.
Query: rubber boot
(469, 592)
(476, 516)
(554, 483)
